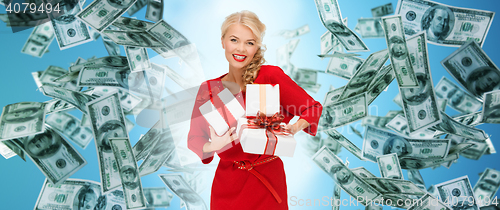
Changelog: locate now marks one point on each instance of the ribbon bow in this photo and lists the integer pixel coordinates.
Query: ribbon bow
(273, 127)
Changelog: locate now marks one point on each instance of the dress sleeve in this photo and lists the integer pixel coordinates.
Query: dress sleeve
(295, 100)
(199, 132)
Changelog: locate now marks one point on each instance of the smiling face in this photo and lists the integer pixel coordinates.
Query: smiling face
(240, 46)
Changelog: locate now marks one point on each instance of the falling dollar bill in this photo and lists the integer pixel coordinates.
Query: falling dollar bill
(398, 51)
(358, 133)
(346, 143)
(145, 144)
(449, 125)
(57, 105)
(168, 35)
(326, 41)
(158, 197)
(473, 69)
(51, 73)
(107, 61)
(378, 142)
(376, 121)
(487, 186)
(288, 34)
(163, 148)
(343, 67)
(22, 119)
(343, 112)
(138, 5)
(179, 187)
(491, 107)
(415, 177)
(39, 40)
(444, 25)
(345, 178)
(419, 103)
(8, 149)
(382, 10)
(457, 192)
(53, 155)
(138, 58)
(381, 81)
(107, 119)
(69, 30)
(457, 98)
(127, 166)
(133, 38)
(399, 124)
(394, 186)
(69, 126)
(112, 48)
(389, 166)
(362, 172)
(76, 99)
(127, 100)
(154, 11)
(131, 24)
(370, 28)
(305, 76)
(421, 163)
(102, 13)
(430, 203)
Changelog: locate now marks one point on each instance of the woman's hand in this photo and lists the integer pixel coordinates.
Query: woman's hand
(219, 141)
(298, 126)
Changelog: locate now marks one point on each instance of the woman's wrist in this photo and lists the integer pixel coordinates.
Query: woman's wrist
(207, 147)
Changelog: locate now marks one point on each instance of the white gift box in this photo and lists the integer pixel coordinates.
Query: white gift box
(232, 108)
(264, 98)
(256, 141)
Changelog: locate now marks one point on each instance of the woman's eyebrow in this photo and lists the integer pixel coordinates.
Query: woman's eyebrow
(234, 36)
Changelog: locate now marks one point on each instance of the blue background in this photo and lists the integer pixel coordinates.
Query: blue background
(200, 22)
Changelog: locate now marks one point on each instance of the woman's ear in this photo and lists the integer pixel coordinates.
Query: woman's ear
(222, 42)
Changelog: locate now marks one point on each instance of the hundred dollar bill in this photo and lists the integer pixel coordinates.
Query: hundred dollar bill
(155, 81)
(358, 133)
(131, 24)
(445, 25)
(283, 59)
(450, 126)
(476, 151)
(370, 28)
(457, 98)
(491, 148)
(350, 40)
(330, 42)
(378, 142)
(107, 61)
(305, 76)
(398, 101)
(389, 166)
(52, 154)
(343, 112)
(394, 113)
(419, 103)
(154, 11)
(105, 76)
(382, 80)
(421, 163)
(57, 105)
(133, 38)
(39, 40)
(127, 166)
(112, 48)
(158, 197)
(345, 178)
(107, 119)
(343, 67)
(487, 186)
(127, 100)
(376, 121)
(167, 35)
(491, 107)
(416, 178)
(442, 103)
(288, 34)
(308, 87)
(69, 126)
(472, 119)
(51, 73)
(336, 197)
(145, 144)
(11, 149)
(69, 30)
(399, 124)
(382, 10)
(136, 7)
(76, 99)
(36, 76)
(362, 172)
(346, 143)
(24, 19)
(179, 187)
(394, 186)
(473, 69)
(162, 149)
(398, 50)
(102, 13)
(360, 81)
(457, 192)
(22, 119)
(427, 202)
(338, 54)
(138, 58)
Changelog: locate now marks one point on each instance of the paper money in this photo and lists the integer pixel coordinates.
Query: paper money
(370, 28)
(473, 69)
(9, 149)
(167, 35)
(162, 149)
(487, 186)
(491, 107)
(100, 14)
(382, 10)
(155, 81)
(288, 34)
(449, 125)
(358, 133)
(127, 100)
(145, 144)
(476, 151)
(154, 11)
(360, 81)
(398, 50)
(76, 99)
(419, 103)
(51, 73)
(346, 143)
(373, 207)
(343, 67)
(24, 19)
(457, 98)
(107, 61)
(57, 105)
(112, 48)
(429, 202)
(444, 25)
(398, 101)
(53, 155)
(39, 40)
(180, 188)
(389, 166)
(337, 54)
(382, 80)
(350, 40)
(138, 58)
(376, 121)
(381, 142)
(305, 76)
(421, 163)
(457, 192)
(107, 119)
(343, 112)
(69, 126)
(399, 124)
(415, 177)
(362, 172)
(22, 119)
(348, 181)
(326, 41)
(136, 7)
(131, 24)
(69, 30)
(394, 186)
(308, 87)
(133, 38)
(158, 197)
(127, 166)
(336, 197)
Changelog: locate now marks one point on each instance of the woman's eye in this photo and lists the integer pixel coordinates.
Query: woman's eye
(250, 43)
(233, 40)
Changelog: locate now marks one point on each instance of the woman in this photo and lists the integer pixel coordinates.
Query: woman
(262, 185)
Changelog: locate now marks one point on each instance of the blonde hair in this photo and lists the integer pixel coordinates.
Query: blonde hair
(250, 20)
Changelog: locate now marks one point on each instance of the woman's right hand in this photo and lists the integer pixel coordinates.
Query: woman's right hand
(219, 141)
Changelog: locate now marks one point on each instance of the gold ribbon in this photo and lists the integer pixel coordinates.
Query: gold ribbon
(262, 98)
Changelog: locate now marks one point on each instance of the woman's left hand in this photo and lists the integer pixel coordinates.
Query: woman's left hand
(298, 126)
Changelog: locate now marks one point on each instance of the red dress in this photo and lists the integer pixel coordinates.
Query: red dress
(234, 188)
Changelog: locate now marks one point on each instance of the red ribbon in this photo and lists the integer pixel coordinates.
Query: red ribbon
(273, 127)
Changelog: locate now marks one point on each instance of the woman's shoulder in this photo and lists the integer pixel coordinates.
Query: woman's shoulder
(266, 70)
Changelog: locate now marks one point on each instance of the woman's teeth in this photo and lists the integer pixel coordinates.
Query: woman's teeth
(239, 57)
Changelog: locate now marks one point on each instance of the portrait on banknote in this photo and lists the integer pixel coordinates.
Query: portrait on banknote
(398, 145)
(438, 22)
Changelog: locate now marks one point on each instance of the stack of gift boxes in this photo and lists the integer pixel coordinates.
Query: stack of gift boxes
(259, 126)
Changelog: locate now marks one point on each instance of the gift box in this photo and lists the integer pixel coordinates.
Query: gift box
(222, 111)
(266, 136)
(262, 97)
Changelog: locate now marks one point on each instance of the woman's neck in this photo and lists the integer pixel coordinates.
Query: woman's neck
(235, 76)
